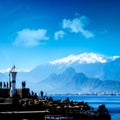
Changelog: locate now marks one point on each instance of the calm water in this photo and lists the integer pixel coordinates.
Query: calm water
(111, 102)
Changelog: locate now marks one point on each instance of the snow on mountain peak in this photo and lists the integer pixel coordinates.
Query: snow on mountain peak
(84, 58)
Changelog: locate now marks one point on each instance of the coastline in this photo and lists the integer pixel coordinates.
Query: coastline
(42, 108)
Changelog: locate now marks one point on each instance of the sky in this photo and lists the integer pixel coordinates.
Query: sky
(33, 32)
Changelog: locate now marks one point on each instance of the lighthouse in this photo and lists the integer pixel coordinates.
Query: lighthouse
(12, 75)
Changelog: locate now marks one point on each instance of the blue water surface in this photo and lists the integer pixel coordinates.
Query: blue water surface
(111, 102)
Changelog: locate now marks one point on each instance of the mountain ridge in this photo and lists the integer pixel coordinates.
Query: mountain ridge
(77, 83)
(99, 71)
(84, 58)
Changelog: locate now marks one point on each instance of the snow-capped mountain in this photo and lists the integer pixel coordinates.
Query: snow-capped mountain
(92, 64)
(96, 66)
(55, 75)
(85, 58)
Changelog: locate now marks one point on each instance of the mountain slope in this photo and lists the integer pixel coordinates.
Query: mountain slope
(112, 70)
(92, 64)
(73, 73)
(76, 83)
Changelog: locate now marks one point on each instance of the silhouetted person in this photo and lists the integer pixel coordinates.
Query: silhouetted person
(7, 84)
(23, 84)
(41, 94)
(10, 84)
(32, 93)
(4, 85)
(35, 95)
(0, 84)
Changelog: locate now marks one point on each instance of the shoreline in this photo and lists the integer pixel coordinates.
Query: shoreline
(40, 108)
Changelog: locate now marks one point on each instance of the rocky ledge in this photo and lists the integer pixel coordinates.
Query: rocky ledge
(48, 109)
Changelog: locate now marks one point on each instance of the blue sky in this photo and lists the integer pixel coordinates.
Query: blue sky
(33, 32)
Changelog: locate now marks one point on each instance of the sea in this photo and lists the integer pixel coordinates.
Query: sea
(112, 102)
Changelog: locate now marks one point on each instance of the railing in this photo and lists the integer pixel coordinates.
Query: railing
(57, 117)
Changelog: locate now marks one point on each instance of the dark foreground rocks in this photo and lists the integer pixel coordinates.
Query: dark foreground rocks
(49, 109)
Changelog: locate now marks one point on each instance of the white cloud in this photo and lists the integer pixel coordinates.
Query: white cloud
(59, 34)
(78, 25)
(87, 33)
(28, 37)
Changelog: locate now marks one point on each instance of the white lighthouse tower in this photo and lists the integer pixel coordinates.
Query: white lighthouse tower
(13, 73)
